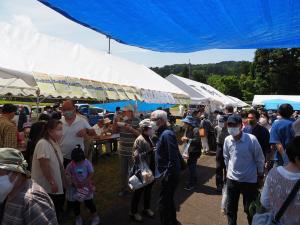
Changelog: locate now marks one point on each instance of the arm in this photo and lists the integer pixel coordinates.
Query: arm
(46, 170)
(265, 198)
(136, 132)
(172, 147)
(226, 154)
(196, 137)
(258, 157)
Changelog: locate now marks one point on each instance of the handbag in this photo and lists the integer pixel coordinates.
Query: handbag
(140, 175)
(268, 218)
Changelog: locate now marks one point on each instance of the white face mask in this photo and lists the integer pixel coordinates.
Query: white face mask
(125, 118)
(221, 124)
(154, 126)
(263, 121)
(234, 131)
(6, 187)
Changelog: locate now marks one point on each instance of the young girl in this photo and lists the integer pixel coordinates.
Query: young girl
(81, 171)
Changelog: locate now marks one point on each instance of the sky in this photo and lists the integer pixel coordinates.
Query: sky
(49, 22)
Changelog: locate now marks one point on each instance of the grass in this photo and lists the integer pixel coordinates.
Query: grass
(3, 101)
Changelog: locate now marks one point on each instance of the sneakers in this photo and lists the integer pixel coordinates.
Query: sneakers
(137, 217)
(189, 188)
(149, 213)
(78, 220)
(96, 220)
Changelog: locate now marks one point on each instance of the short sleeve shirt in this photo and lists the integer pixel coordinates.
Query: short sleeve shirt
(282, 132)
(44, 149)
(70, 139)
(80, 171)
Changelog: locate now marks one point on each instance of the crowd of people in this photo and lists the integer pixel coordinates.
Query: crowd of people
(46, 170)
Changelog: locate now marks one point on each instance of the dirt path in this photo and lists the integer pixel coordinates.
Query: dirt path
(200, 207)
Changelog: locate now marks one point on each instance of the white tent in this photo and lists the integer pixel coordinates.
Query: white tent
(259, 99)
(239, 103)
(25, 51)
(201, 93)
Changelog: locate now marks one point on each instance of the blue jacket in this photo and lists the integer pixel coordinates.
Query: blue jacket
(167, 157)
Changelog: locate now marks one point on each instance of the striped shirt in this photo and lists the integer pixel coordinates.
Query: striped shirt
(127, 138)
(31, 206)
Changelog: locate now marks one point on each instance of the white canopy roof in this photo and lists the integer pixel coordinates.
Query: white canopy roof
(201, 91)
(23, 49)
(259, 99)
(239, 103)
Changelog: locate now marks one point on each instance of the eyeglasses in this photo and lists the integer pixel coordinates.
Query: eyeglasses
(155, 119)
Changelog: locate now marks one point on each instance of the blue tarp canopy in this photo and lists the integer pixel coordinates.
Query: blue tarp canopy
(142, 106)
(189, 25)
(274, 104)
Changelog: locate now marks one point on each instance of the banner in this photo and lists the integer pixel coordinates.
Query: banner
(110, 91)
(75, 87)
(45, 84)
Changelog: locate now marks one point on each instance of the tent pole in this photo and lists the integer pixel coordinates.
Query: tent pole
(38, 92)
(108, 44)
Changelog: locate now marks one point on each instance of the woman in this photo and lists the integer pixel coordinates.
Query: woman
(279, 184)
(47, 163)
(191, 136)
(143, 149)
(264, 120)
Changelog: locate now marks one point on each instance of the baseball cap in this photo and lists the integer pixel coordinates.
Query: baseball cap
(234, 119)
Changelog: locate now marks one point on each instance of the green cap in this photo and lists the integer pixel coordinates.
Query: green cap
(13, 160)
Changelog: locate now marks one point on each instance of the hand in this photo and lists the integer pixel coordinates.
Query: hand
(54, 187)
(81, 133)
(184, 139)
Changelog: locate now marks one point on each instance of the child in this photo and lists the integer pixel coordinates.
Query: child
(81, 171)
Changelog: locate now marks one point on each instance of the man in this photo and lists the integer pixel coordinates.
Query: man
(22, 201)
(8, 130)
(221, 134)
(244, 161)
(75, 128)
(229, 110)
(282, 133)
(260, 132)
(168, 166)
(129, 131)
(205, 126)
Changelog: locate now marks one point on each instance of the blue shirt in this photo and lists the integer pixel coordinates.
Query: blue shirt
(167, 153)
(282, 133)
(243, 158)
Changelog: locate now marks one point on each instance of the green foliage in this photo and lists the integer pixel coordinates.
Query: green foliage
(273, 71)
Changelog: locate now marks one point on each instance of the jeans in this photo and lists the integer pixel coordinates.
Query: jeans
(220, 167)
(166, 201)
(192, 165)
(234, 189)
(137, 196)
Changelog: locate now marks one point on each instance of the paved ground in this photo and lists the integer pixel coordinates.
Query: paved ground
(200, 207)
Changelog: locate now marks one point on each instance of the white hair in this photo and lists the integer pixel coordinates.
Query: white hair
(160, 114)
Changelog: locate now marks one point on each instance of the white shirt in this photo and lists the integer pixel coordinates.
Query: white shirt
(44, 150)
(98, 130)
(70, 139)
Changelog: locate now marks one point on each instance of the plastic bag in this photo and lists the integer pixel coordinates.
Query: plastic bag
(185, 153)
(140, 176)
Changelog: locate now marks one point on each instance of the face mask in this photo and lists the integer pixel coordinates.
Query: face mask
(154, 126)
(68, 114)
(150, 132)
(251, 122)
(221, 124)
(59, 134)
(263, 121)
(125, 118)
(234, 131)
(6, 187)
